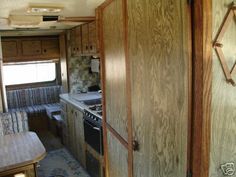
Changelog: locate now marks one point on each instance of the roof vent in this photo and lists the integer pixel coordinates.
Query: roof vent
(50, 18)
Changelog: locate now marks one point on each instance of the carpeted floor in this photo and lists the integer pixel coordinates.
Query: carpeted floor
(59, 163)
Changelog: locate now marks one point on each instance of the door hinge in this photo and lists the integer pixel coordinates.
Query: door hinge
(189, 173)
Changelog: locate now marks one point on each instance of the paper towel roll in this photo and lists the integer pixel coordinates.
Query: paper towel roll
(95, 65)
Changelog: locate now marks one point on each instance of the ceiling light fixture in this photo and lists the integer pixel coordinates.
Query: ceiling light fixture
(44, 9)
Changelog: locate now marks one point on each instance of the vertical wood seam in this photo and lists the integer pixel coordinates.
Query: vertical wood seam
(103, 73)
(128, 91)
(202, 67)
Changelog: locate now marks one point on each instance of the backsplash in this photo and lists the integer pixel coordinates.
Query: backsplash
(80, 77)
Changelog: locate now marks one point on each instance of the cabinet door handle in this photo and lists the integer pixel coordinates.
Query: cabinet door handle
(45, 50)
(96, 128)
(136, 145)
(91, 47)
(86, 47)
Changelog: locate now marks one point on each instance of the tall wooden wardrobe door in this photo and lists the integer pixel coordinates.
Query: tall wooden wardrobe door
(114, 76)
(159, 64)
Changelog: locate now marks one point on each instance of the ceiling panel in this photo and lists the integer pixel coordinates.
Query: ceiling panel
(72, 8)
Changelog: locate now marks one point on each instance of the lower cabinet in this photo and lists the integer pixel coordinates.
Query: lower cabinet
(71, 130)
(79, 137)
(74, 140)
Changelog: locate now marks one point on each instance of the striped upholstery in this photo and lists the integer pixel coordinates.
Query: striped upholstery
(33, 96)
(13, 122)
(33, 100)
(37, 109)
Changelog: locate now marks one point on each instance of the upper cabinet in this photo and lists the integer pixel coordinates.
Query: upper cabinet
(83, 39)
(30, 49)
(76, 41)
(92, 35)
(9, 48)
(50, 48)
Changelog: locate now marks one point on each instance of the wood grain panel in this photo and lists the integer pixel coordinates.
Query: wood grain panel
(223, 123)
(92, 37)
(71, 129)
(31, 47)
(50, 47)
(114, 55)
(202, 80)
(9, 48)
(118, 157)
(78, 33)
(79, 137)
(158, 54)
(63, 63)
(85, 39)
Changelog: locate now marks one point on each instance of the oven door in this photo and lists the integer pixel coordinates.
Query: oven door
(93, 135)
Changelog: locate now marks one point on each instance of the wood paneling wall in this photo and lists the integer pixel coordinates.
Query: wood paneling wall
(146, 66)
(158, 34)
(223, 116)
(118, 155)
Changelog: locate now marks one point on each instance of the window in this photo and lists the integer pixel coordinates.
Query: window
(29, 73)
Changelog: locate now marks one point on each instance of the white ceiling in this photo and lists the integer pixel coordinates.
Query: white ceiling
(72, 8)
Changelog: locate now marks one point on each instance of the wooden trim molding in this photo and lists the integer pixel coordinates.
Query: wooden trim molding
(117, 135)
(77, 19)
(103, 76)
(202, 82)
(128, 90)
(128, 145)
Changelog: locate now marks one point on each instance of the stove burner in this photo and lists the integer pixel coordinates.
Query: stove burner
(96, 107)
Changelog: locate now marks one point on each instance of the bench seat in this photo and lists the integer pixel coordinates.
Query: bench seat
(37, 109)
(34, 101)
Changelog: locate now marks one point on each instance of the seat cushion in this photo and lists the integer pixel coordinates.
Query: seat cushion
(13, 122)
(37, 109)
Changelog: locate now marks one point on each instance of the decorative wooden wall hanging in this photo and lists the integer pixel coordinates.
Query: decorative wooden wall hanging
(229, 17)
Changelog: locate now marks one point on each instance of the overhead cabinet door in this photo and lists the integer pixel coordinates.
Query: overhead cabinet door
(85, 39)
(31, 47)
(92, 37)
(50, 48)
(9, 48)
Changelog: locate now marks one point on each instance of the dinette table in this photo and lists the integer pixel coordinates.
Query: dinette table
(19, 154)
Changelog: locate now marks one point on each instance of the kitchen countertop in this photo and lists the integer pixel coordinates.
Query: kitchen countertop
(77, 99)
